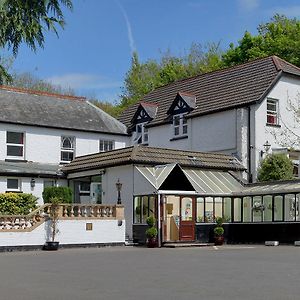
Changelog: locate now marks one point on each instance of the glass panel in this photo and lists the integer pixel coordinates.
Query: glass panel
(297, 207)
(257, 209)
(209, 210)
(151, 206)
(172, 218)
(247, 209)
(67, 142)
(176, 120)
(137, 209)
(145, 205)
(237, 205)
(66, 156)
(184, 129)
(14, 138)
(289, 207)
(186, 209)
(176, 130)
(218, 207)
(278, 204)
(200, 210)
(267, 200)
(12, 183)
(227, 210)
(15, 151)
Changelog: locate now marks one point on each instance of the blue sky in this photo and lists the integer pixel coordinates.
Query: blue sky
(93, 53)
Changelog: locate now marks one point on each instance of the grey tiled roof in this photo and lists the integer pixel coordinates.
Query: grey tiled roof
(26, 107)
(30, 168)
(153, 156)
(219, 90)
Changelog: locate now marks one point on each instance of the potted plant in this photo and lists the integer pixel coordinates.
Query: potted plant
(53, 216)
(219, 232)
(151, 233)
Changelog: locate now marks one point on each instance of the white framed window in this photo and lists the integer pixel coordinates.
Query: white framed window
(15, 145)
(67, 152)
(180, 126)
(272, 112)
(13, 184)
(141, 134)
(106, 145)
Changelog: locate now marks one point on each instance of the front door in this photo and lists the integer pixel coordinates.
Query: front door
(187, 219)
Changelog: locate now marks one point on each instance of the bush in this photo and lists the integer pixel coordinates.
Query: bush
(275, 167)
(17, 203)
(151, 232)
(219, 221)
(62, 192)
(150, 221)
(218, 231)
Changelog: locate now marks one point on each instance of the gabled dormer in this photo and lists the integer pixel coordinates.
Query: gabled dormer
(145, 113)
(180, 107)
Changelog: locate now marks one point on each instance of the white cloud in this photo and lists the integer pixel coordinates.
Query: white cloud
(248, 5)
(128, 25)
(289, 11)
(83, 81)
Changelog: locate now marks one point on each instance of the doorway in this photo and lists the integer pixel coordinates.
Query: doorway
(179, 218)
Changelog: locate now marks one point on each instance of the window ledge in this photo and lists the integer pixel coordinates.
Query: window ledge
(179, 138)
(15, 160)
(273, 125)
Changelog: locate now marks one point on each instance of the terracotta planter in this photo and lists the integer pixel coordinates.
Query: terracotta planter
(219, 240)
(152, 243)
(51, 246)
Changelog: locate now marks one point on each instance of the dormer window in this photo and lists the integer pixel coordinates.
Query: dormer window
(141, 134)
(180, 126)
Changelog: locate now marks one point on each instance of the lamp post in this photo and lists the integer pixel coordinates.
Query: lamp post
(119, 188)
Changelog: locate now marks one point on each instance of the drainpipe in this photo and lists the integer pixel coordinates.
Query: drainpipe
(250, 179)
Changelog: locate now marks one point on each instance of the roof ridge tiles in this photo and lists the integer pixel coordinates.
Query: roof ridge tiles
(41, 93)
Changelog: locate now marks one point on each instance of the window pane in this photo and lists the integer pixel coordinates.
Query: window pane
(15, 151)
(247, 209)
(151, 206)
(14, 138)
(227, 210)
(176, 130)
(66, 156)
(184, 129)
(209, 210)
(290, 207)
(12, 183)
(200, 210)
(278, 212)
(137, 210)
(218, 207)
(297, 207)
(145, 205)
(268, 208)
(176, 120)
(237, 205)
(257, 209)
(186, 209)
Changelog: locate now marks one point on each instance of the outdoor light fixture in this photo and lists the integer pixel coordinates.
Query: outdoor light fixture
(267, 147)
(32, 182)
(119, 188)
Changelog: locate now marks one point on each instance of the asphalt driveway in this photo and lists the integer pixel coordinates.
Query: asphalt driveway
(228, 272)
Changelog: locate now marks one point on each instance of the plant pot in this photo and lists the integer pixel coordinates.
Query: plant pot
(51, 246)
(219, 240)
(151, 243)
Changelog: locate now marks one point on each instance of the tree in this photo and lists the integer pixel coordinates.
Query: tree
(275, 167)
(27, 21)
(280, 36)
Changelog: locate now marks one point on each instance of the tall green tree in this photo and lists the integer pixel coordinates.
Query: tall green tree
(280, 36)
(27, 21)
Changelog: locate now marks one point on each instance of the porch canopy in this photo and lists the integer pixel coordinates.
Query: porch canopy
(209, 182)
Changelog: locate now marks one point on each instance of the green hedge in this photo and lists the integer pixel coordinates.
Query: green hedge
(62, 192)
(17, 203)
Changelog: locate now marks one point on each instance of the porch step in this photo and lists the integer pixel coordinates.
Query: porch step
(181, 245)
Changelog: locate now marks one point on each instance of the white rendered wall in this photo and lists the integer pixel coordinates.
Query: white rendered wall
(288, 134)
(70, 232)
(26, 186)
(43, 144)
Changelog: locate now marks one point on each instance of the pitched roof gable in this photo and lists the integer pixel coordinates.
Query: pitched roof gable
(237, 86)
(34, 108)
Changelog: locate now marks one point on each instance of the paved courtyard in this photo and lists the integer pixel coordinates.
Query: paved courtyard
(229, 272)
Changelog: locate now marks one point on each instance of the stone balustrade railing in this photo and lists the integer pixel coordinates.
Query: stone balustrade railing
(66, 211)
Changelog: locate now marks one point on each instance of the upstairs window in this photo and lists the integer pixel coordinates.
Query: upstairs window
(141, 134)
(272, 112)
(67, 149)
(15, 144)
(106, 145)
(180, 126)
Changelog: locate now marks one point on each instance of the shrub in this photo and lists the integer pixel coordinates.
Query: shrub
(150, 221)
(64, 193)
(151, 232)
(275, 167)
(218, 231)
(17, 203)
(219, 221)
